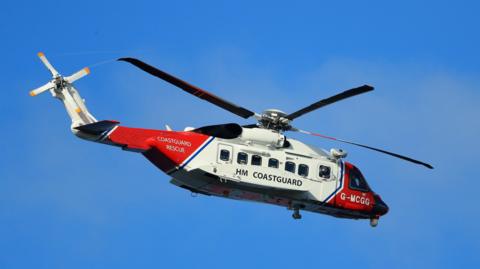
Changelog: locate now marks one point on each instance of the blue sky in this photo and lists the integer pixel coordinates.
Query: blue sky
(121, 212)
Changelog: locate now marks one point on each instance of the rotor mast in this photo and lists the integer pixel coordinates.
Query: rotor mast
(274, 119)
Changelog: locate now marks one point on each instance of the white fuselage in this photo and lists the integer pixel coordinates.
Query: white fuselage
(249, 169)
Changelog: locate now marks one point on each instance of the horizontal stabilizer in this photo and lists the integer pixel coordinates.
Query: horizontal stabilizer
(98, 127)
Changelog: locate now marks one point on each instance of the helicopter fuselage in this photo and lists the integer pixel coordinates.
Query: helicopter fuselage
(288, 173)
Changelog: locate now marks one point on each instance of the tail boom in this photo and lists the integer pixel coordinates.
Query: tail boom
(167, 149)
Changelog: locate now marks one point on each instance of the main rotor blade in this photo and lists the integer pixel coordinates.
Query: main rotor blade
(367, 147)
(196, 91)
(330, 100)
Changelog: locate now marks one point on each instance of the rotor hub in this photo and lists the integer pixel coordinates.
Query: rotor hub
(274, 119)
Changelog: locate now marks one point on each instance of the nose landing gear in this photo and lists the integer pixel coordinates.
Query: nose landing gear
(374, 222)
(296, 213)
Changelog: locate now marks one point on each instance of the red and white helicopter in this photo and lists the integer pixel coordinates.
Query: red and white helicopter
(255, 162)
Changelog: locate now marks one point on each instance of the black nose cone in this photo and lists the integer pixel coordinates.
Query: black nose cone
(379, 208)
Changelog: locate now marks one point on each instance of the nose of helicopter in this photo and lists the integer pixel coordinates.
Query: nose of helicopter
(380, 207)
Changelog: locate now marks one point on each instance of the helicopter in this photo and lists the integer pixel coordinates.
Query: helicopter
(254, 162)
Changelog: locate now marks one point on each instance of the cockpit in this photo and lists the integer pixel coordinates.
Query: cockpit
(357, 181)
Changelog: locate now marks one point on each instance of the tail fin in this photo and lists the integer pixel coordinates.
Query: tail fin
(62, 88)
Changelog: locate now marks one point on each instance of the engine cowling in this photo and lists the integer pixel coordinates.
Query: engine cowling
(263, 137)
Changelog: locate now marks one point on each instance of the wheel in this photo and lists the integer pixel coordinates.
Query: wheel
(374, 222)
(296, 215)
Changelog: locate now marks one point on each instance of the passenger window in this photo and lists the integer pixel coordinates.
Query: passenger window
(303, 170)
(273, 163)
(357, 181)
(224, 155)
(256, 160)
(324, 171)
(290, 167)
(242, 158)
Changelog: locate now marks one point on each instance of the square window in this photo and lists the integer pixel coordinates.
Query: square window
(290, 167)
(324, 171)
(224, 155)
(273, 163)
(303, 170)
(242, 158)
(256, 160)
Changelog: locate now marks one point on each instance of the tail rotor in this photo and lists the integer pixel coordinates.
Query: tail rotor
(62, 88)
(58, 80)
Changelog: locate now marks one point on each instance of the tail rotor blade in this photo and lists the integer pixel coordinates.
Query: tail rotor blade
(45, 87)
(47, 64)
(78, 75)
(367, 147)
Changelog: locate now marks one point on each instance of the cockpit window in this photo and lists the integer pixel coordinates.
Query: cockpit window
(357, 181)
